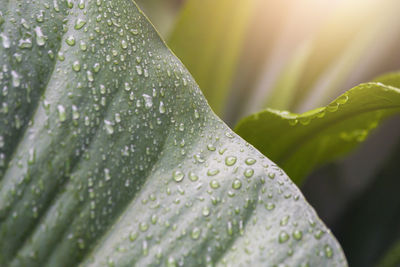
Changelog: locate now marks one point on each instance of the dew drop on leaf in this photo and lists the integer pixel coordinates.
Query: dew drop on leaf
(297, 234)
(79, 24)
(248, 173)
(237, 184)
(214, 184)
(178, 176)
(195, 233)
(250, 161)
(230, 160)
(193, 177)
(283, 237)
(70, 40)
(62, 116)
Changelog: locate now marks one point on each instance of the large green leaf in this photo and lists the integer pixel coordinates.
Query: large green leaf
(208, 38)
(300, 142)
(111, 155)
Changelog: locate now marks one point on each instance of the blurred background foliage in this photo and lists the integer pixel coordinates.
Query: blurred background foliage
(249, 55)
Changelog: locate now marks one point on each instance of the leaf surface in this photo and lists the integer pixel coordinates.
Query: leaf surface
(111, 156)
(300, 142)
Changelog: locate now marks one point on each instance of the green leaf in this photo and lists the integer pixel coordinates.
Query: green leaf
(300, 142)
(112, 156)
(215, 31)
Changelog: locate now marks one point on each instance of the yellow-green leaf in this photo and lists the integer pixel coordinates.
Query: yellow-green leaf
(300, 142)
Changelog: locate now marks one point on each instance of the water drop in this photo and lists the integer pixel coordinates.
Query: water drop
(40, 16)
(250, 161)
(62, 116)
(60, 56)
(196, 233)
(124, 44)
(139, 70)
(211, 147)
(283, 237)
(248, 173)
(107, 175)
(193, 177)
(32, 156)
(332, 107)
(25, 43)
(196, 114)
(229, 228)
(18, 57)
(6, 40)
(284, 220)
(79, 24)
(76, 66)
(83, 45)
(328, 251)
(171, 262)
(319, 233)
(16, 79)
(89, 76)
(109, 126)
(237, 184)
(81, 4)
(230, 160)
(214, 184)
(40, 38)
(206, 212)
(293, 122)
(148, 101)
(342, 99)
(178, 176)
(70, 40)
(96, 67)
(75, 113)
(305, 120)
(270, 206)
(212, 172)
(162, 108)
(297, 234)
(143, 226)
(198, 157)
(133, 236)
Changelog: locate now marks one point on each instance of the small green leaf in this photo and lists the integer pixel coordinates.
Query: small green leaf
(208, 38)
(301, 142)
(111, 156)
